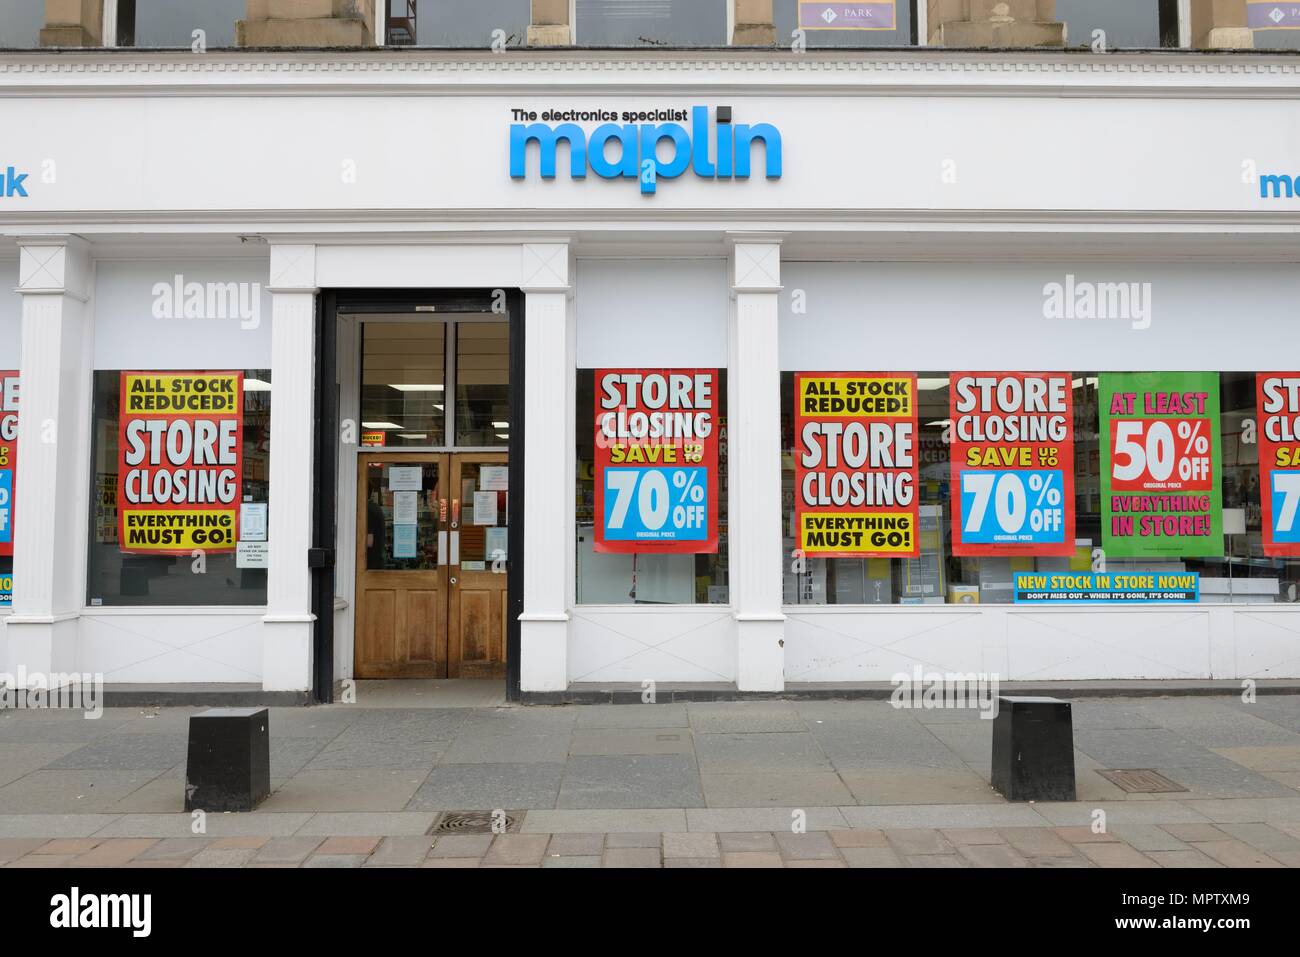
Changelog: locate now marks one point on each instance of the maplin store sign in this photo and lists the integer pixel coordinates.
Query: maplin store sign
(626, 144)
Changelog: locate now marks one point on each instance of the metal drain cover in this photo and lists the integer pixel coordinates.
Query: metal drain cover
(1142, 781)
(477, 822)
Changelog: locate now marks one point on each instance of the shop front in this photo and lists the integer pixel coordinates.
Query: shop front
(728, 370)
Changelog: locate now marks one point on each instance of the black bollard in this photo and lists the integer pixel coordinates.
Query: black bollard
(229, 762)
(1033, 749)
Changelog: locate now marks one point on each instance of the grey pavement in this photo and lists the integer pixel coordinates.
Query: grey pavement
(912, 784)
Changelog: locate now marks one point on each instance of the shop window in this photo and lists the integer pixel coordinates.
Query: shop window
(169, 24)
(651, 23)
(482, 384)
(1119, 24)
(403, 384)
(888, 24)
(1241, 571)
(20, 24)
(179, 511)
(472, 24)
(1274, 26)
(651, 577)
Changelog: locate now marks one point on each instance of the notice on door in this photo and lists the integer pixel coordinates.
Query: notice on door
(181, 461)
(1012, 463)
(1160, 449)
(656, 469)
(1279, 461)
(855, 464)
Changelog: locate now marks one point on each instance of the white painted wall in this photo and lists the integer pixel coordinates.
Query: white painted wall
(854, 146)
(944, 316)
(129, 336)
(650, 312)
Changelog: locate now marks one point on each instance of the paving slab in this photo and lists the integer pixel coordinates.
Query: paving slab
(919, 786)
(53, 825)
(1236, 854)
(461, 845)
(871, 857)
(631, 781)
(1141, 812)
(607, 821)
(517, 849)
(755, 752)
(215, 825)
(125, 752)
(776, 789)
(808, 846)
(632, 741)
(733, 842)
(744, 717)
(773, 819)
(992, 855)
(400, 852)
(71, 791)
(342, 754)
(366, 823)
(355, 790)
(613, 716)
(19, 758)
(943, 816)
(508, 747)
(488, 787)
(692, 844)
(576, 845)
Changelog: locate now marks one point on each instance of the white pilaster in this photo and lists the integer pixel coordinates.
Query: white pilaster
(754, 461)
(50, 501)
(288, 623)
(548, 468)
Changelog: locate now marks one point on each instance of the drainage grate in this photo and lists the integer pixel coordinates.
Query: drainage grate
(1142, 781)
(477, 822)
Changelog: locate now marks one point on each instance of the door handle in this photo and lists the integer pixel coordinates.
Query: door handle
(453, 579)
(455, 547)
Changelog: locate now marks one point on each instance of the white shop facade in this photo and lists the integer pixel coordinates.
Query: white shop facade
(314, 287)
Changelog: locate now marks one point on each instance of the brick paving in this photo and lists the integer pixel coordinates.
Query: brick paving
(1200, 846)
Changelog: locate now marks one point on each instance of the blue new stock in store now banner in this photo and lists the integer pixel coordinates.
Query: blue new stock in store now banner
(1047, 588)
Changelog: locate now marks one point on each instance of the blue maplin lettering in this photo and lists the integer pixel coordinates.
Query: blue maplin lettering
(13, 183)
(1277, 184)
(637, 150)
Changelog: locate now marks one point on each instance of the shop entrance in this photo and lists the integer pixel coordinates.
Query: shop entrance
(432, 558)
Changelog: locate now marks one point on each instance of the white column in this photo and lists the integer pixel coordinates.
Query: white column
(51, 496)
(754, 460)
(548, 467)
(288, 623)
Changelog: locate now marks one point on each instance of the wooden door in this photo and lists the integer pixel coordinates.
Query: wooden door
(402, 565)
(480, 554)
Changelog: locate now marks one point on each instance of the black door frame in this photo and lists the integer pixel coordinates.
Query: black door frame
(321, 558)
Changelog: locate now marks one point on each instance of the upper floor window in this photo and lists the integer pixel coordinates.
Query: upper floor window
(474, 24)
(651, 23)
(888, 24)
(1273, 25)
(20, 24)
(1119, 24)
(171, 24)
